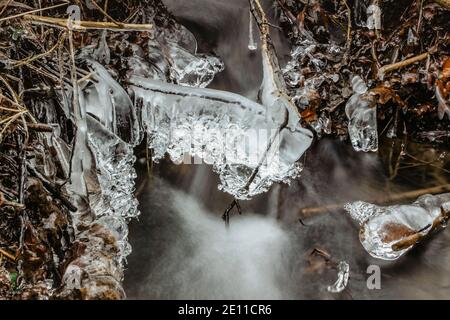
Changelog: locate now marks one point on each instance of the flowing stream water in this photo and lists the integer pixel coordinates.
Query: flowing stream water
(181, 248)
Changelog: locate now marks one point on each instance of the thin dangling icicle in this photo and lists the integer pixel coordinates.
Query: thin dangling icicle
(81, 158)
(252, 46)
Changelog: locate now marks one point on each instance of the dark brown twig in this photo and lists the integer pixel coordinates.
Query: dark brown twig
(53, 189)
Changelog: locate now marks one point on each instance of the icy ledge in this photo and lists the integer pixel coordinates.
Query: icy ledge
(249, 146)
(389, 232)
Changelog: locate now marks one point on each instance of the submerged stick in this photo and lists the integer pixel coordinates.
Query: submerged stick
(419, 235)
(82, 25)
(226, 215)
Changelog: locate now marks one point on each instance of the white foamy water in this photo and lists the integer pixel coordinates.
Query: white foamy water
(201, 259)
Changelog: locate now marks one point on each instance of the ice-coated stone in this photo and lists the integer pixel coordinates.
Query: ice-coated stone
(389, 232)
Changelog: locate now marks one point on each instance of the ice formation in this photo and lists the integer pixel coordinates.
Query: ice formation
(249, 145)
(239, 137)
(252, 46)
(443, 104)
(109, 102)
(102, 185)
(81, 160)
(110, 184)
(102, 54)
(389, 232)
(362, 126)
(302, 86)
(115, 167)
(322, 125)
(342, 280)
(373, 17)
(192, 70)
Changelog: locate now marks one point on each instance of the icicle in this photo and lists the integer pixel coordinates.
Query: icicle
(362, 126)
(81, 161)
(102, 54)
(252, 46)
(81, 157)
